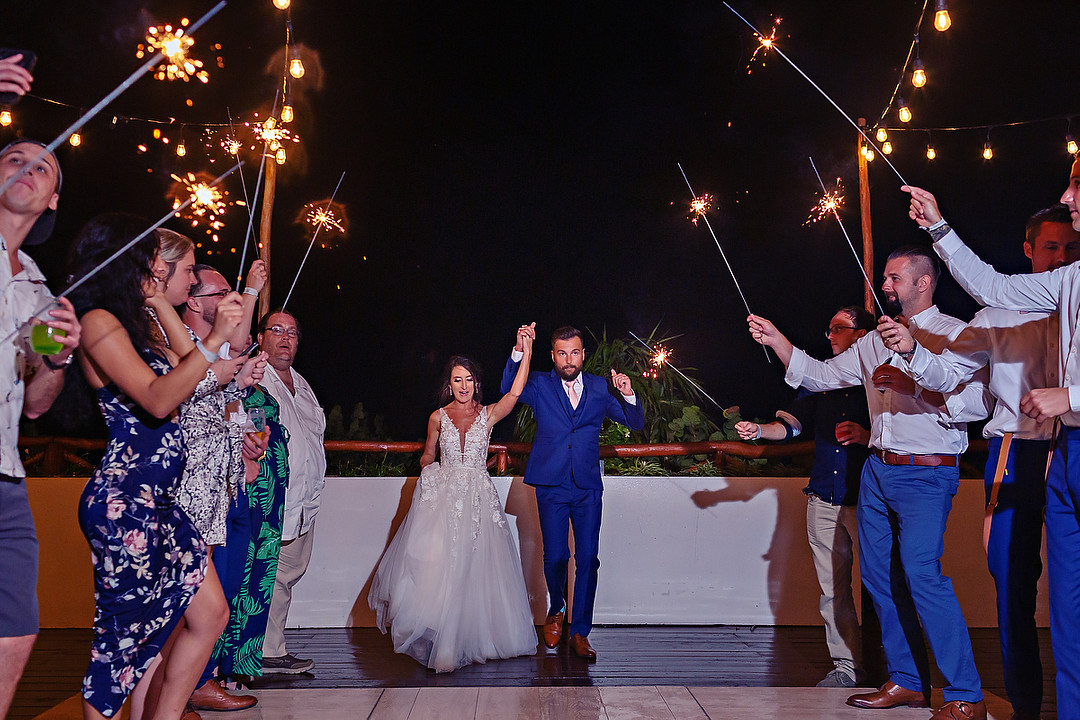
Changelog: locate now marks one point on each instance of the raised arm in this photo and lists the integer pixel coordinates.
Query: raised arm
(1031, 291)
(176, 332)
(433, 429)
(256, 281)
(766, 333)
(506, 403)
(107, 355)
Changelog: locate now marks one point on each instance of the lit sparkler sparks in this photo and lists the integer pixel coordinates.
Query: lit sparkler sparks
(699, 206)
(208, 202)
(829, 202)
(765, 44)
(660, 356)
(173, 45)
(321, 217)
(271, 134)
(327, 219)
(231, 145)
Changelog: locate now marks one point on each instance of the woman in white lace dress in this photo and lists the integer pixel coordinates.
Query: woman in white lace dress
(450, 585)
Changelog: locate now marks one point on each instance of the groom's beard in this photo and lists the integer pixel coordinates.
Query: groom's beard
(892, 306)
(568, 373)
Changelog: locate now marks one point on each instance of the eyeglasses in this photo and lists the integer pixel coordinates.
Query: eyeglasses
(218, 294)
(837, 328)
(278, 331)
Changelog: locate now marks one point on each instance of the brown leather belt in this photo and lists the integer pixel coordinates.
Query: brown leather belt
(924, 460)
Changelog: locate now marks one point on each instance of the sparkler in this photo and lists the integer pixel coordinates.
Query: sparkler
(699, 206)
(312, 243)
(765, 44)
(172, 46)
(772, 46)
(102, 103)
(325, 219)
(705, 217)
(251, 206)
(207, 203)
(829, 202)
(664, 356)
(851, 245)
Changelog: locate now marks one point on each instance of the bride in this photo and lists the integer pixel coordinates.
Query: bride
(450, 584)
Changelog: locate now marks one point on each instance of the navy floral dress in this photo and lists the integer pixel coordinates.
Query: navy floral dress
(149, 559)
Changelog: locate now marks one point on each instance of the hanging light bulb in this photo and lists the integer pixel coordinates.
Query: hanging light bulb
(5, 117)
(988, 152)
(903, 111)
(279, 156)
(282, 4)
(870, 154)
(931, 153)
(887, 148)
(942, 21)
(181, 150)
(286, 113)
(862, 149)
(1070, 142)
(918, 78)
(75, 139)
(882, 133)
(296, 67)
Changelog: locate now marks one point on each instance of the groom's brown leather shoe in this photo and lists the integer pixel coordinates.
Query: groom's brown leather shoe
(581, 647)
(890, 695)
(961, 710)
(553, 629)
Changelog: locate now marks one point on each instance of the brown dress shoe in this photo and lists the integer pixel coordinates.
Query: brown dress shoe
(581, 647)
(961, 710)
(190, 714)
(891, 695)
(553, 629)
(212, 696)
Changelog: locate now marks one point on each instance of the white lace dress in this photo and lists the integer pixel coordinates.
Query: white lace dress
(450, 585)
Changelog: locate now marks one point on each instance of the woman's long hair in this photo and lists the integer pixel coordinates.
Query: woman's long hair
(445, 394)
(118, 287)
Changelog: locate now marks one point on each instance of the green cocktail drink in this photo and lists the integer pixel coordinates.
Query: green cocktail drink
(42, 342)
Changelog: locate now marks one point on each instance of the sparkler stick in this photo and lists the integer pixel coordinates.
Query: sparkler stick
(247, 201)
(851, 245)
(141, 70)
(703, 216)
(251, 206)
(680, 372)
(773, 46)
(312, 243)
(39, 314)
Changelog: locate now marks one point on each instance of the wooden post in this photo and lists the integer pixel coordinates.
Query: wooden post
(269, 184)
(864, 215)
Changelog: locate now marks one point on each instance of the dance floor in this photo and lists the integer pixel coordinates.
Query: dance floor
(642, 672)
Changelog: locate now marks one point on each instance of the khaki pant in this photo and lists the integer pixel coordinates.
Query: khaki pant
(833, 542)
(292, 564)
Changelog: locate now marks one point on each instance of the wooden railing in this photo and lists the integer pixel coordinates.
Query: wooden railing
(49, 455)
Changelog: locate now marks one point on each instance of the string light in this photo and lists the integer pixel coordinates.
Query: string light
(286, 113)
(942, 21)
(296, 67)
(75, 139)
(918, 78)
(279, 156)
(988, 151)
(1070, 144)
(931, 153)
(882, 133)
(5, 117)
(282, 4)
(869, 155)
(886, 147)
(903, 111)
(181, 150)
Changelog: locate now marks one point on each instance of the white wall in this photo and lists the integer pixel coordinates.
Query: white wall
(672, 550)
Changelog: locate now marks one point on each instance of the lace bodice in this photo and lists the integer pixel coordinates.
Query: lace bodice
(472, 451)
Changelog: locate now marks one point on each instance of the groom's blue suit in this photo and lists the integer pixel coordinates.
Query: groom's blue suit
(564, 467)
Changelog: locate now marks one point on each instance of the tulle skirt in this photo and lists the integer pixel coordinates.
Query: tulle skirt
(450, 586)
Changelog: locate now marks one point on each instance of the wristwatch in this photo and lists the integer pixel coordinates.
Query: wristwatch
(57, 366)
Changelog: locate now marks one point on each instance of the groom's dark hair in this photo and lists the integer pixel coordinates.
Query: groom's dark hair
(565, 333)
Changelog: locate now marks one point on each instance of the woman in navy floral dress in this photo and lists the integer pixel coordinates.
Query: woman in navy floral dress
(149, 561)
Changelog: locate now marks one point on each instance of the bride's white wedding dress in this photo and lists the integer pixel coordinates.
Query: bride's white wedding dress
(450, 585)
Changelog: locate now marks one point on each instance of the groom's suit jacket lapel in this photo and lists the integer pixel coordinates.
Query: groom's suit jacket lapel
(563, 399)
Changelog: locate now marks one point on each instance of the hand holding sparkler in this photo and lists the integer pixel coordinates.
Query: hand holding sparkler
(924, 207)
(257, 276)
(765, 332)
(895, 335)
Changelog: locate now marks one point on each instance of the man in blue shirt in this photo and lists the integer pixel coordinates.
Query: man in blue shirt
(839, 422)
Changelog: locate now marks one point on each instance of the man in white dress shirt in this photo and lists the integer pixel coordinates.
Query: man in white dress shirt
(304, 422)
(1055, 290)
(1021, 349)
(907, 487)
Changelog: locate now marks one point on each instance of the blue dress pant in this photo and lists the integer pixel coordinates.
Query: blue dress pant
(1063, 561)
(1014, 557)
(902, 515)
(557, 506)
(229, 561)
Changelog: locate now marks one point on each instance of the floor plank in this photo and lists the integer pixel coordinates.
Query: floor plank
(508, 702)
(445, 704)
(395, 704)
(681, 702)
(581, 703)
(632, 703)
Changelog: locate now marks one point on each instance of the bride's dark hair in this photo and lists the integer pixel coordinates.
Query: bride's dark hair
(474, 369)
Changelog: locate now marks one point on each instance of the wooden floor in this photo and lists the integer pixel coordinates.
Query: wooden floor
(672, 665)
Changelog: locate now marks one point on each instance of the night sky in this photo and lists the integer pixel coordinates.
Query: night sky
(507, 163)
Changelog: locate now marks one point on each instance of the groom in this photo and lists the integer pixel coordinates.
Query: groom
(564, 467)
